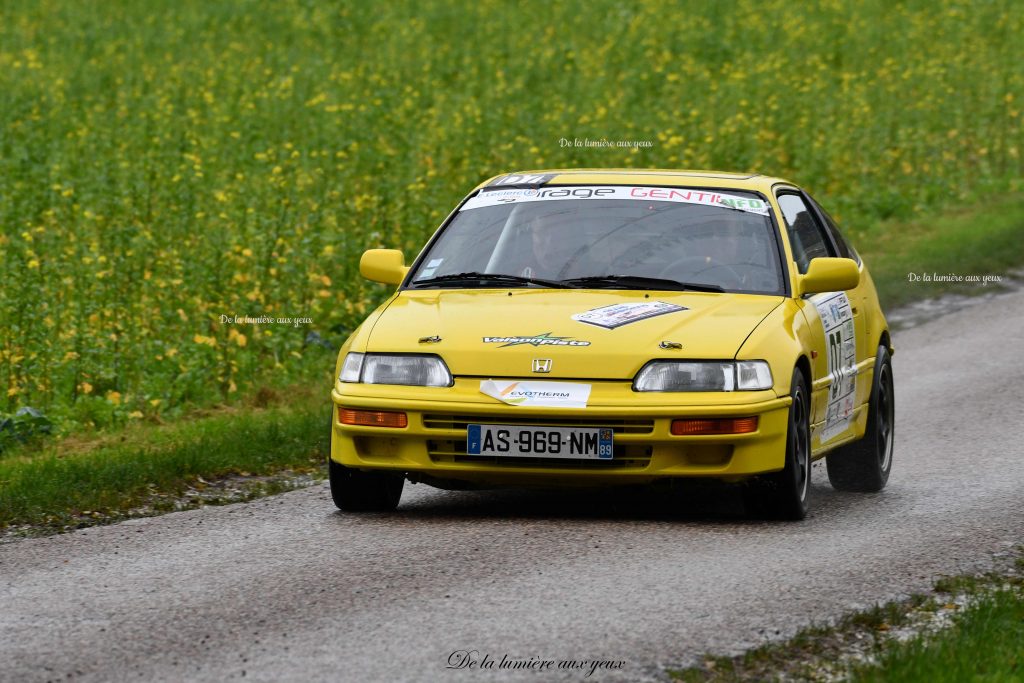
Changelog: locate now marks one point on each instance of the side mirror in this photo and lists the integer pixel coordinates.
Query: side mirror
(830, 275)
(383, 265)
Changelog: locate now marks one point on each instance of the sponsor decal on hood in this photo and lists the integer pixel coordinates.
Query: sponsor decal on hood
(542, 339)
(617, 315)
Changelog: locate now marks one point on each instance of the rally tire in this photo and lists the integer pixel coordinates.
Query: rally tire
(783, 495)
(864, 465)
(357, 491)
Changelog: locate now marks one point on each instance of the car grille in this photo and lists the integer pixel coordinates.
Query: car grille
(460, 422)
(625, 456)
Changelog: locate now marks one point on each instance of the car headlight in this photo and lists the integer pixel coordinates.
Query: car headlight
(394, 368)
(753, 375)
(669, 375)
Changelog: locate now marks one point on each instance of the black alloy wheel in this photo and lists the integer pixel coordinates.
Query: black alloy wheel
(864, 465)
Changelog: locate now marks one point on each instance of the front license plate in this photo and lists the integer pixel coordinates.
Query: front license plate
(539, 442)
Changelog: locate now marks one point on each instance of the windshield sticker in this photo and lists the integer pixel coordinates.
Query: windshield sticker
(528, 394)
(840, 348)
(542, 339)
(617, 315)
(430, 268)
(662, 194)
(522, 179)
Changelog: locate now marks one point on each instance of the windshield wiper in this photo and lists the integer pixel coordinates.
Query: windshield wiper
(641, 282)
(476, 278)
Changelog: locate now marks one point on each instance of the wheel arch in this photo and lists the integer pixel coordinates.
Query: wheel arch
(804, 366)
(886, 341)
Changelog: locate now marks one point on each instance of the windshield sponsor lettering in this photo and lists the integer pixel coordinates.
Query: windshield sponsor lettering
(685, 195)
(755, 205)
(699, 197)
(506, 196)
(578, 192)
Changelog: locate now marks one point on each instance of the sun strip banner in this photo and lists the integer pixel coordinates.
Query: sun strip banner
(641, 194)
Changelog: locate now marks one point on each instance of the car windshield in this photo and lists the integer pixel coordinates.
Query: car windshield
(621, 237)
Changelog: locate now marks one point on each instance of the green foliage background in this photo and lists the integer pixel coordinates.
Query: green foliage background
(165, 163)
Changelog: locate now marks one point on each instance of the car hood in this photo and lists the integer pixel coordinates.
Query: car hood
(499, 333)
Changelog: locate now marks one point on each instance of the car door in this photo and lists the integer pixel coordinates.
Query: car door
(835, 321)
(859, 297)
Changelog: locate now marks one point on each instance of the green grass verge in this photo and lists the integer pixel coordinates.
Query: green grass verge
(970, 629)
(983, 239)
(986, 643)
(60, 483)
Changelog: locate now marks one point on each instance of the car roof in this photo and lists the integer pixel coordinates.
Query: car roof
(636, 176)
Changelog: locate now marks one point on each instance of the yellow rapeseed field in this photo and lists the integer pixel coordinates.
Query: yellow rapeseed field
(166, 167)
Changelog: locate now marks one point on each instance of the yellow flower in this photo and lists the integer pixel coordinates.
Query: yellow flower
(114, 397)
(85, 387)
(200, 339)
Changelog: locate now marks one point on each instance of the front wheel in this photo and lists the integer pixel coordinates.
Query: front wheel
(864, 465)
(783, 495)
(357, 491)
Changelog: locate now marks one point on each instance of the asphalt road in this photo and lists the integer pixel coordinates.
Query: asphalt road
(288, 589)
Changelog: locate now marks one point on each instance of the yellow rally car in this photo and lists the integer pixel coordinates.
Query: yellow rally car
(592, 327)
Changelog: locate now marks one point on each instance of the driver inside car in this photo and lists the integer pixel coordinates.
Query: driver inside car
(720, 256)
(546, 256)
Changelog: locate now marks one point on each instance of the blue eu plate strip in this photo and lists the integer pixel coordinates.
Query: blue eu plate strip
(473, 440)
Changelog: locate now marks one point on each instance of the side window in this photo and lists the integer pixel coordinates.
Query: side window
(845, 249)
(805, 235)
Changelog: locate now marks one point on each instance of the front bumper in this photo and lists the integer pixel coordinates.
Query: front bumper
(433, 445)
